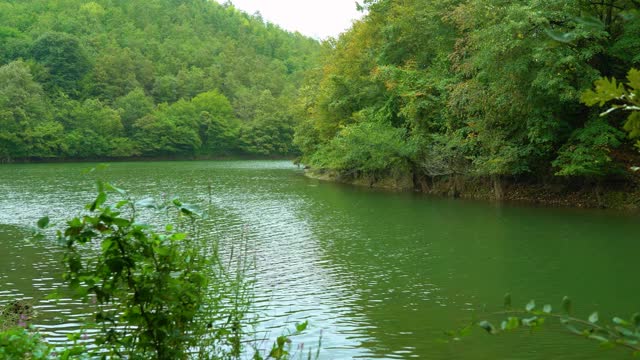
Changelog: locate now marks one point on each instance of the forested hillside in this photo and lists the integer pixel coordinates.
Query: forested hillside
(473, 89)
(153, 78)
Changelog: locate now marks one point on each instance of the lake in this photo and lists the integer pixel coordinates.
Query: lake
(378, 274)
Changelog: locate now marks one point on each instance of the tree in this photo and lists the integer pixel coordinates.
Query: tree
(65, 58)
(132, 107)
(22, 107)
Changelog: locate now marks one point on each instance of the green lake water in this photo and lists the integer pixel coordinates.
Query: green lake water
(378, 274)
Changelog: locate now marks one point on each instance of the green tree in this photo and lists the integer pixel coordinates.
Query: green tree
(23, 106)
(65, 59)
(132, 107)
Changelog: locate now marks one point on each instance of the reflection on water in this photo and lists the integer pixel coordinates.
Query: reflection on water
(381, 275)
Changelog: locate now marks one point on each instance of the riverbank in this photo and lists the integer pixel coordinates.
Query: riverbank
(558, 192)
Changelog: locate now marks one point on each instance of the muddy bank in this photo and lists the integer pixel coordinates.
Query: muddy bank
(619, 194)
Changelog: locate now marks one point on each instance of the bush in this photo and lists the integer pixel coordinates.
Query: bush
(369, 147)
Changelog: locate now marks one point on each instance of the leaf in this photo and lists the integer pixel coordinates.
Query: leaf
(512, 323)
(547, 309)
(531, 305)
(55, 295)
(146, 203)
(110, 187)
(507, 301)
(599, 338)
(624, 331)
(634, 79)
(572, 329)
(102, 197)
(43, 222)
(191, 209)
(532, 321)
(178, 236)
(487, 326)
(593, 318)
(106, 244)
(619, 321)
(302, 326)
(566, 305)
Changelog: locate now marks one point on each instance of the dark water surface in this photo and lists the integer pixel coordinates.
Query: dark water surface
(380, 274)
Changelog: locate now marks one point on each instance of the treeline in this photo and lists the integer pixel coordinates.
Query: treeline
(153, 78)
(472, 88)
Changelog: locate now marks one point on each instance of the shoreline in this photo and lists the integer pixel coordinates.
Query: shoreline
(615, 196)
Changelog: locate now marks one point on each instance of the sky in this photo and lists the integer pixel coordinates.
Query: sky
(315, 18)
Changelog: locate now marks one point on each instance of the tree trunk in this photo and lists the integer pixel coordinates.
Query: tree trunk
(598, 192)
(608, 21)
(497, 187)
(454, 190)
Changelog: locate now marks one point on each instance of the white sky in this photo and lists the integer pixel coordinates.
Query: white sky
(316, 18)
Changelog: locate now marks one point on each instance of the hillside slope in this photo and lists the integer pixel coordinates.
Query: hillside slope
(153, 78)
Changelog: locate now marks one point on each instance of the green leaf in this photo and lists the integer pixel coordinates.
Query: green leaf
(102, 197)
(178, 236)
(487, 326)
(146, 203)
(507, 301)
(110, 187)
(593, 318)
(302, 326)
(599, 338)
(531, 305)
(191, 209)
(43, 222)
(566, 305)
(55, 295)
(532, 321)
(619, 321)
(624, 331)
(547, 309)
(106, 244)
(512, 323)
(606, 90)
(634, 79)
(573, 329)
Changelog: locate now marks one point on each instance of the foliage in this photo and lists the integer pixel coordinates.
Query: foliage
(147, 286)
(619, 332)
(622, 96)
(23, 107)
(106, 79)
(368, 148)
(18, 343)
(481, 87)
(587, 151)
(157, 294)
(281, 349)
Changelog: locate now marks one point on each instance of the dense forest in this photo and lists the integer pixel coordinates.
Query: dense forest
(473, 89)
(157, 78)
(421, 91)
